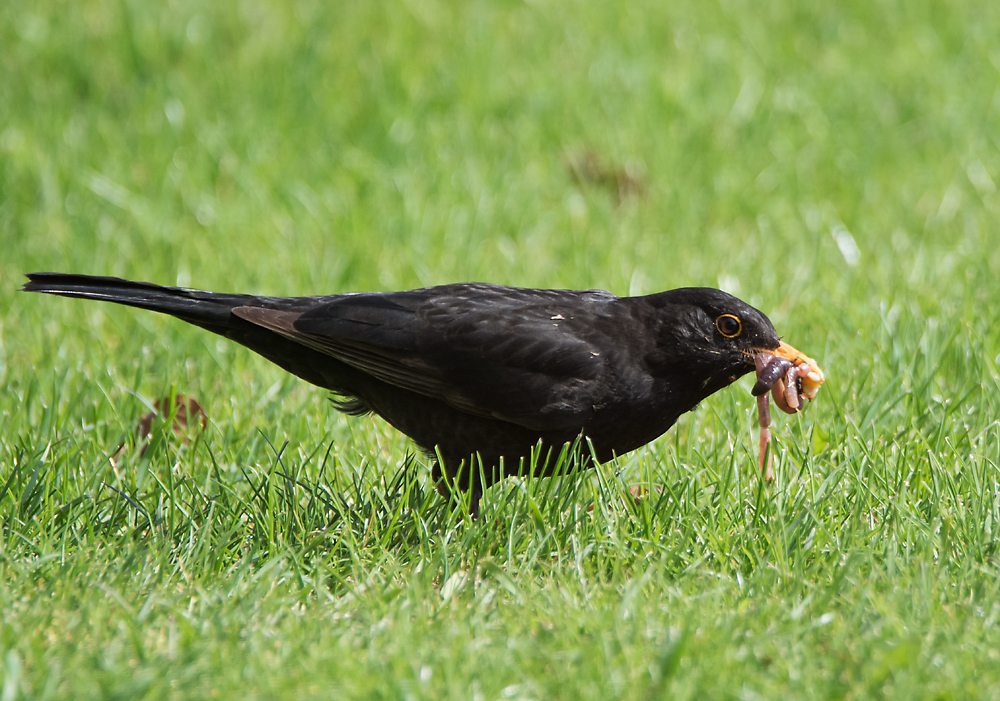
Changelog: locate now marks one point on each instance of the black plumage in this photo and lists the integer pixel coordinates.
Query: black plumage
(484, 370)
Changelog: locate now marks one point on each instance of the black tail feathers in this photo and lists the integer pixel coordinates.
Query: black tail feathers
(206, 309)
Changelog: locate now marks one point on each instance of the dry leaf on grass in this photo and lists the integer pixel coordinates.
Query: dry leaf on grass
(587, 168)
(189, 420)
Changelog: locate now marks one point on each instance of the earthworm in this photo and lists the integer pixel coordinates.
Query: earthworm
(769, 371)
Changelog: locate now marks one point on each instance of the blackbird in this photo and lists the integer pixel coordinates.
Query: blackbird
(482, 375)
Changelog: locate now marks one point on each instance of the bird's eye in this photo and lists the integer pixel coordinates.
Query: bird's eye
(728, 325)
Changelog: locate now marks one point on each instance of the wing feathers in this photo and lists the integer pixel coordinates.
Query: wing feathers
(413, 374)
(460, 348)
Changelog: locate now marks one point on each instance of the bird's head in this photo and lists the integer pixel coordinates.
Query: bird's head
(708, 336)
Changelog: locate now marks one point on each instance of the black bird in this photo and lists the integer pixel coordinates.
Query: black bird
(483, 370)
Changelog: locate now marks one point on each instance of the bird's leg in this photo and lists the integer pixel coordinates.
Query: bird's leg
(451, 487)
(475, 496)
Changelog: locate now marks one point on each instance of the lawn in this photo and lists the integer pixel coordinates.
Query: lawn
(835, 165)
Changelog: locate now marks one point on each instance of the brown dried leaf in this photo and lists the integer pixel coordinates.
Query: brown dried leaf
(189, 412)
(587, 168)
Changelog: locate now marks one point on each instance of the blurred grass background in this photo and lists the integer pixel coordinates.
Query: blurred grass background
(834, 165)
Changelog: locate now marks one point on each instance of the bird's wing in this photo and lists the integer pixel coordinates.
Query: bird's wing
(531, 357)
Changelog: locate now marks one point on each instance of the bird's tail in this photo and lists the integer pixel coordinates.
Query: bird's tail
(210, 310)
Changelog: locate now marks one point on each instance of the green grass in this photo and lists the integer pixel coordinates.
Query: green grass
(835, 165)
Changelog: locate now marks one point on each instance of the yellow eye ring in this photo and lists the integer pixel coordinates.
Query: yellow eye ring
(729, 325)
